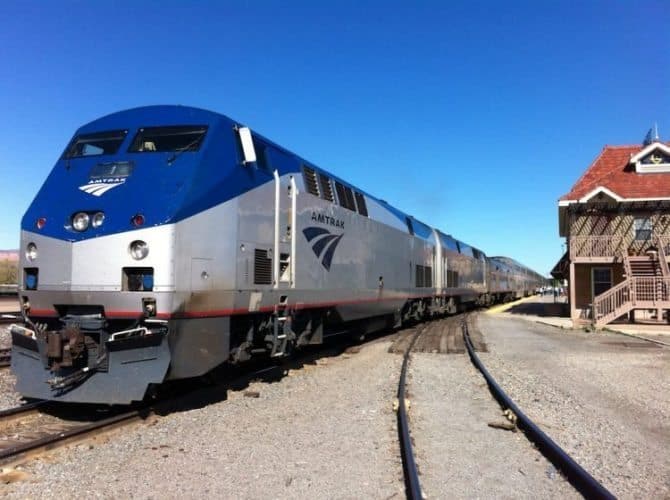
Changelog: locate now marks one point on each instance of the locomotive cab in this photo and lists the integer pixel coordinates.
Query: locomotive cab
(97, 267)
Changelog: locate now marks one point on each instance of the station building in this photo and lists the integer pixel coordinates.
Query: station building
(616, 221)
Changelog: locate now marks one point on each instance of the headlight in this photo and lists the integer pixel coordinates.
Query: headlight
(31, 251)
(138, 249)
(98, 219)
(80, 221)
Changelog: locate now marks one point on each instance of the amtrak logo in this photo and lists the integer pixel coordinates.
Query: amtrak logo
(324, 244)
(100, 187)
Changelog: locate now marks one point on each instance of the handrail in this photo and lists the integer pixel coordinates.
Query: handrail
(636, 291)
(661, 243)
(611, 300)
(275, 256)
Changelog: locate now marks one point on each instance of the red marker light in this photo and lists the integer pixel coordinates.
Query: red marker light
(138, 220)
(40, 222)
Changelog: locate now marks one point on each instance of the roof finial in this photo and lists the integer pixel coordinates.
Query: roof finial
(652, 135)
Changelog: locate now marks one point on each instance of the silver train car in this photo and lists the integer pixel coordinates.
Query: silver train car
(168, 240)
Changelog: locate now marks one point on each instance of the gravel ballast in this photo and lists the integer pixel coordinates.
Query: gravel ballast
(458, 454)
(601, 398)
(8, 397)
(324, 431)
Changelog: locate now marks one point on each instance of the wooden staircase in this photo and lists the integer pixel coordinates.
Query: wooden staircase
(647, 286)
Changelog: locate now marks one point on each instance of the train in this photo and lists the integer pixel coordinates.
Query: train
(169, 240)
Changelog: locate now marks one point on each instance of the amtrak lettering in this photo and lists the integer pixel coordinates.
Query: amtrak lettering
(325, 219)
(99, 187)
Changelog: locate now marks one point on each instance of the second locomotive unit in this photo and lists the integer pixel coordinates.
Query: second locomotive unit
(168, 240)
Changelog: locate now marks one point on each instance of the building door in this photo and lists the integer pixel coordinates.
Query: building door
(601, 280)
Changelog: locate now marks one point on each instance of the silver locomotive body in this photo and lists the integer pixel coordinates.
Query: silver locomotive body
(234, 249)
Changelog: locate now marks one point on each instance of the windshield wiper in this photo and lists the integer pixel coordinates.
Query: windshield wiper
(174, 156)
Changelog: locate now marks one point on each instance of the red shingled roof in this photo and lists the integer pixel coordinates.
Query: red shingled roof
(611, 170)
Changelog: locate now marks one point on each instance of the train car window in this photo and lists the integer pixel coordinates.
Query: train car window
(478, 254)
(261, 156)
(465, 249)
(309, 176)
(360, 203)
(100, 143)
(410, 227)
(428, 276)
(448, 242)
(326, 188)
(173, 139)
(419, 276)
(452, 279)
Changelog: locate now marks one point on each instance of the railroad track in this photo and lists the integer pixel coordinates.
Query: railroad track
(6, 352)
(441, 335)
(5, 357)
(580, 479)
(410, 472)
(6, 318)
(30, 429)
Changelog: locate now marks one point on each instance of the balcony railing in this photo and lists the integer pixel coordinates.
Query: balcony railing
(610, 246)
(594, 246)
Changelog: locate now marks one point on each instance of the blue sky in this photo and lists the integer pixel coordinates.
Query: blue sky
(474, 117)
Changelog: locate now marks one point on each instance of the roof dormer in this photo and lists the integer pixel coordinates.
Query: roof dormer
(653, 159)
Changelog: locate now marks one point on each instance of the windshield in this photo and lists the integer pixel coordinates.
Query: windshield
(100, 143)
(112, 170)
(175, 139)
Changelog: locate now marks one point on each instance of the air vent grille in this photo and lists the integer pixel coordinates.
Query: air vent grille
(310, 181)
(326, 188)
(262, 267)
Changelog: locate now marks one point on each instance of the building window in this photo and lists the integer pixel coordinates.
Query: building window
(602, 280)
(642, 227)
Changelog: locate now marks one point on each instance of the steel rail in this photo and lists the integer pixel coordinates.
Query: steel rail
(412, 486)
(582, 481)
(65, 436)
(11, 412)
(5, 357)
(10, 316)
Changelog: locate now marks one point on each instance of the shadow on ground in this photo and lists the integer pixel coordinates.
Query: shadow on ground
(542, 309)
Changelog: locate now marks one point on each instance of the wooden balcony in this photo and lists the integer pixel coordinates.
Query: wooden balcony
(607, 248)
(594, 248)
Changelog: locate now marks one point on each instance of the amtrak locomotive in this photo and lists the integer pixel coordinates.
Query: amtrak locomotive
(168, 240)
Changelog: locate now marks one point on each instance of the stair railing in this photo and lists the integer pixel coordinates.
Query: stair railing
(628, 275)
(610, 304)
(660, 244)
